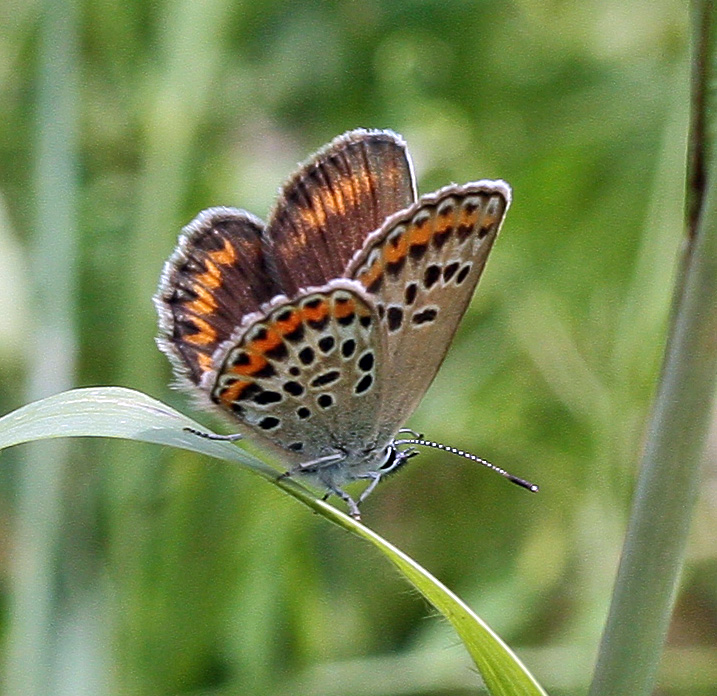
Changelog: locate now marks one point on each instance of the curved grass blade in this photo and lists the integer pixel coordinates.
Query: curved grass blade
(118, 413)
(124, 413)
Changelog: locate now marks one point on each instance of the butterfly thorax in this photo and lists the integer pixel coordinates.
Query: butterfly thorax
(347, 464)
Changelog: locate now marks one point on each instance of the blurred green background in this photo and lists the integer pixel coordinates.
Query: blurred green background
(132, 570)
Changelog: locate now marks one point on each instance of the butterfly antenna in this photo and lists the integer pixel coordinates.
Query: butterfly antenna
(467, 455)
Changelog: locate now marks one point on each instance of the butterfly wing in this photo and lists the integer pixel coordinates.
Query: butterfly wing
(420, 269)
(333, 202)
(302, 374)
(228, 264)
(217, 275)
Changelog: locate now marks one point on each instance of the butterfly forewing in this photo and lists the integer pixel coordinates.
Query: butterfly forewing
(303, 375)
(217, 275)
(335, 200)
(421, 269)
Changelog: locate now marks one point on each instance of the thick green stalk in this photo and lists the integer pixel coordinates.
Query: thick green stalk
(654, 550)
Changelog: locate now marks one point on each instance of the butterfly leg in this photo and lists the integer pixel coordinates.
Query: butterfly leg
(398, 460)
(352, 505)
(214, 436)
(311, 467)
(375, 477)
(410, 431)
(314, 467)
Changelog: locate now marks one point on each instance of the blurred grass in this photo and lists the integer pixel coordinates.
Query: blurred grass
(206, 582)
(37, 620)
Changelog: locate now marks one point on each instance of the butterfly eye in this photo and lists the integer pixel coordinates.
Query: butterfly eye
(390, 459)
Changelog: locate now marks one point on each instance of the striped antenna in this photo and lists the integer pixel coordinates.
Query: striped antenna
(532, 487)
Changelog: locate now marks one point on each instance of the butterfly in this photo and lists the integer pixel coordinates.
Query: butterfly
(321, 330)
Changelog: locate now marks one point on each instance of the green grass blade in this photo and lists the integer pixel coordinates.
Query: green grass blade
(502, 671)
(123, 413)
(115, 412)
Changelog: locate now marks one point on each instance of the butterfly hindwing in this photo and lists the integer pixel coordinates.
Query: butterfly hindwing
(302, 374)
(421, 269)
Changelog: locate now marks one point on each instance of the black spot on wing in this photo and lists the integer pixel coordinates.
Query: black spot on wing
(364, 384)
(326, 378)
(269, 423)
(394, 315)
(425, 316)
